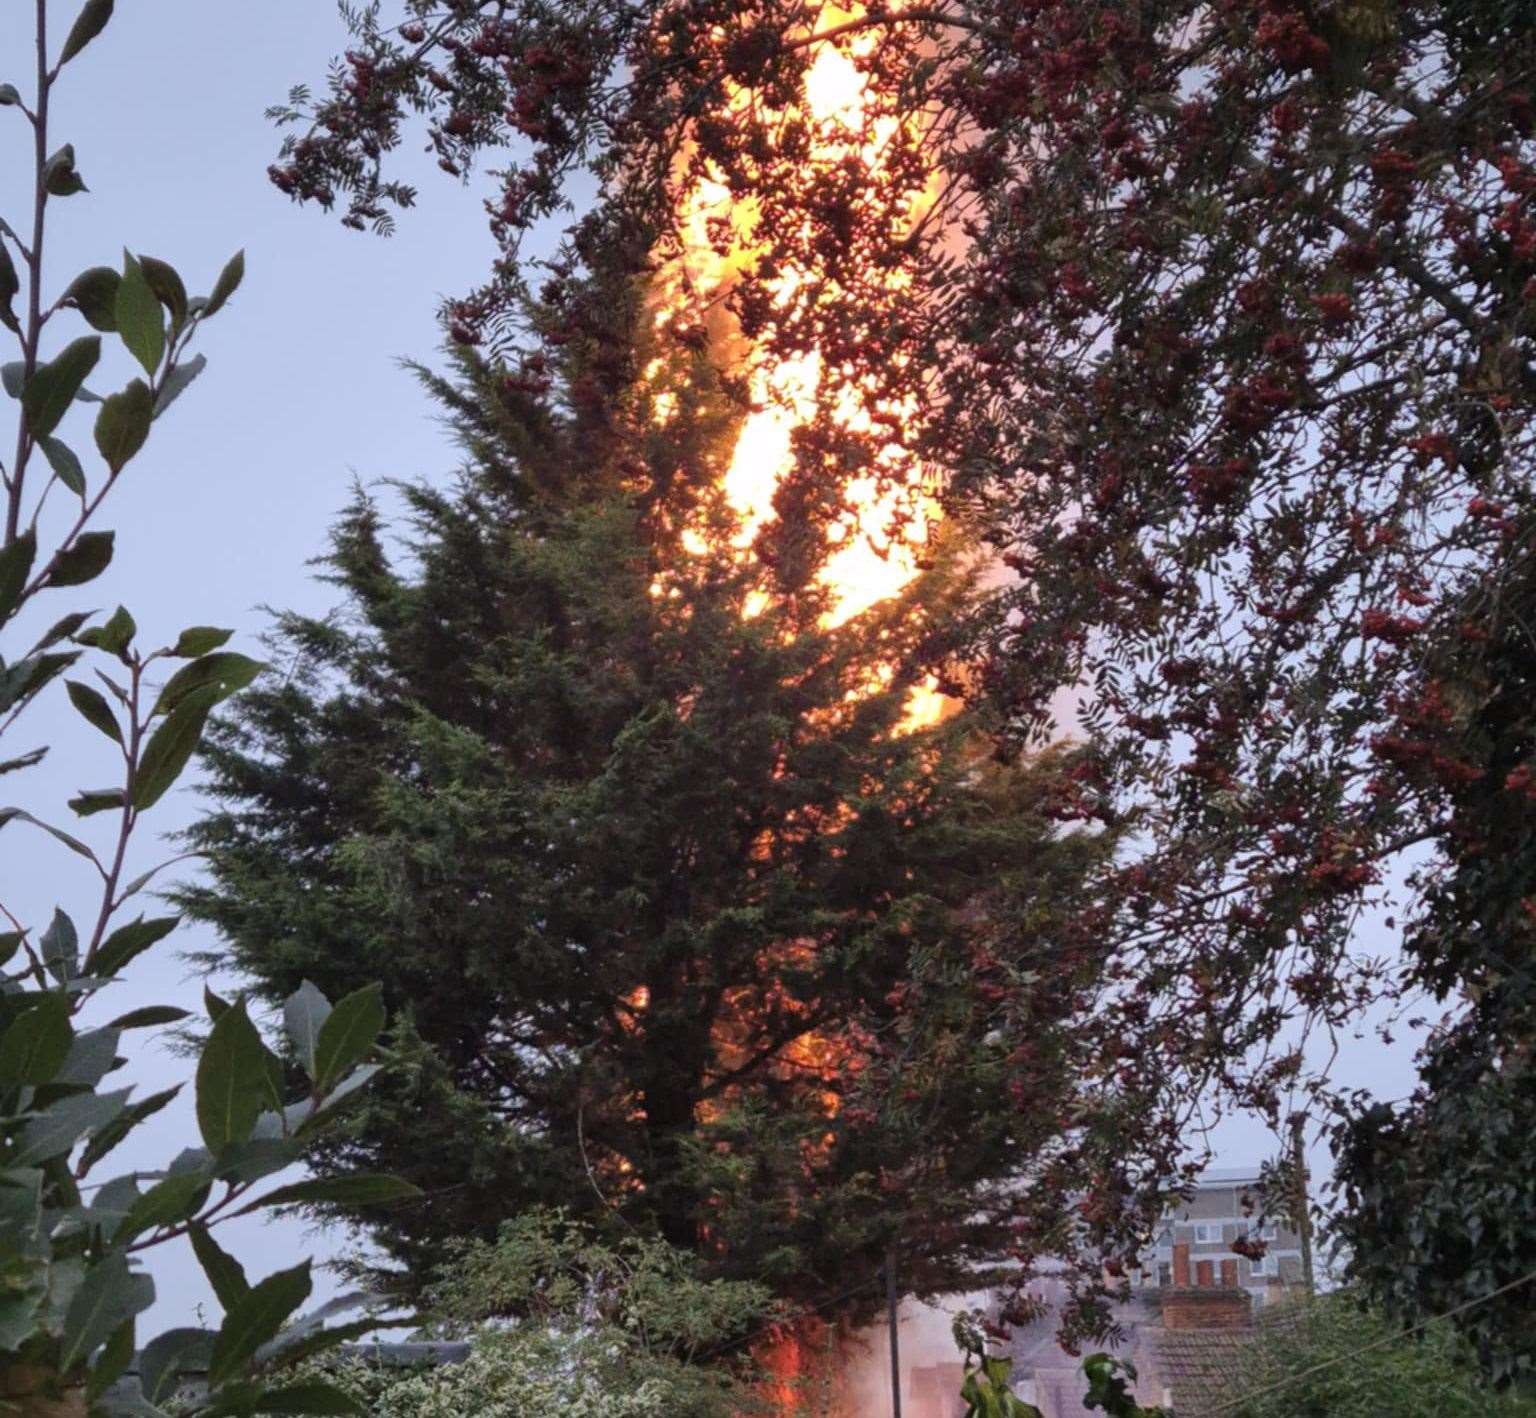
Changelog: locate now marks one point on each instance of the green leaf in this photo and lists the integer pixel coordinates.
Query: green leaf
(88, 24)
(177, 380)
(168, 288)
(226, 285)
(150, 1016)
(34, 1047)
(105, 1139)
(90, 1058)
(360, 1189)
(13, 377)
(315, 1396)
(122, 425)
(94, 294)
(112, 1362)
(12, 814)
(198, 640)
(140, 324)
(15, 566)
(167, 1203)
(114, 637)
(215, 1005)
(109, 1295)
(170, 749)
(59, 176)
(231, 1080)
(64, 1123)
(29, 759)
(127, 943)
(10, 943)
(304, 1011)
(89, 801)
(92, 706)
(84, 561)
(60, 948)
(348, 1034)
(10, 284)
(227, 672)
(9, 94)
(167, 1356)
(254, 1320)
(53, 386)
(61, 458)
(224, 1272)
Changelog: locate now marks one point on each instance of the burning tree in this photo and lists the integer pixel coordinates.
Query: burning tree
(694, 919)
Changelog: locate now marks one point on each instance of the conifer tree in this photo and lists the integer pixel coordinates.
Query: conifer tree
(685, 923)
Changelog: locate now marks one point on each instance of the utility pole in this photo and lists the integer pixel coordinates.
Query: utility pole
(1300, 1203)
(890, 1315)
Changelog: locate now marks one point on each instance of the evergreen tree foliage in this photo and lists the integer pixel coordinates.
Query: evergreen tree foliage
(684, 924)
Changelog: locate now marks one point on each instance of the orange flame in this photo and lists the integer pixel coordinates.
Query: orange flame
(876, 547)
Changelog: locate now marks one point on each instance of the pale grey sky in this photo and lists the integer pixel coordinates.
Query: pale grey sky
(302, 394)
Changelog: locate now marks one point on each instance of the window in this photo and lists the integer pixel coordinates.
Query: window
(1268, 1265)
(1207, 1232)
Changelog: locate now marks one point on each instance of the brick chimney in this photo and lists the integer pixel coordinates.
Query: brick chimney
(1207, 1308)
(1229, 1274)
(1205, 1274)
(1181, 1266)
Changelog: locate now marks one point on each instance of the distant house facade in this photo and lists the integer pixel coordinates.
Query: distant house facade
(1219, 1213)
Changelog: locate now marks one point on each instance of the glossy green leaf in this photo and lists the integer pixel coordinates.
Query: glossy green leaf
(90, 1058)
(176, 381)
(66, 466)
(104, 1139)
(226, 285)
(89, 801)
(60, 948)
(92, 706)
(167, 1356)
(34, 1047)
(225, 1274)
(171, 747)
(169, 1202)
(255, 1319)
(90, 555)
(114, 637)
(359, 1189)
(74, 844)
(59, 1127)
(10, 284)
(15, 566)
(304, 1012)
(94, 294)
(53, 385)
(231, 1080)
(226, 672)
(140, 323)
(89, 23)
(109, 1295)
(122, 425)
(150, 1016)
(128, 942)
(60, 178)
(198, 640)
(168, 288)
(112, 1362)
(347, 1034)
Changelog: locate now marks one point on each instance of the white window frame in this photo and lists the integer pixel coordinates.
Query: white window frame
(1204, 1239)
(1267, 1265)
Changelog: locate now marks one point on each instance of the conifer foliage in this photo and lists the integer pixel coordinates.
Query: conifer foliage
(686, 925)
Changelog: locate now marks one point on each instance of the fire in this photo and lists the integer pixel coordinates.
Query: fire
(876, 547)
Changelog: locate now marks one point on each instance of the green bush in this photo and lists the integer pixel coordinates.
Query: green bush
(565, 1321)
(1379, 1371)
